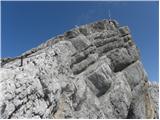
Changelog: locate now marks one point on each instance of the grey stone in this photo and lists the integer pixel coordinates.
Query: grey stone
(116, 24)
(71, 34)
(115, 103)
(92, 71)
(84, 30)
(78, 57)
(124, 30)
(154, 92)
(80, 42)
(100, 79)
(99, 25)
(101, 42)
(120, 59)
(79, 67)
(135, 74)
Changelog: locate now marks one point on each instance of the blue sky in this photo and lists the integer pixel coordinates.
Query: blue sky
(25, 25)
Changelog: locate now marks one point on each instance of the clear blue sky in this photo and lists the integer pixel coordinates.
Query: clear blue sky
(27, 24)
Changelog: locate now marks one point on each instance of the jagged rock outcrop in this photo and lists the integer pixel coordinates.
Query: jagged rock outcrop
(92, 71)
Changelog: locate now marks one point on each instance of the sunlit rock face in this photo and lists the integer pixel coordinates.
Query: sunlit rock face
(91, 71)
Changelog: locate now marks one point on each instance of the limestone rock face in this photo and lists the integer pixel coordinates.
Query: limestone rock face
(92, 71)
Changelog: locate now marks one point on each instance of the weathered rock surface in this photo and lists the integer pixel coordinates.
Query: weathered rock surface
(93, 71)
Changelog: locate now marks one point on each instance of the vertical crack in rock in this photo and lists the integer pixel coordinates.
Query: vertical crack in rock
(149, 107)
(45, 91)
(3, 108)
(60, 109)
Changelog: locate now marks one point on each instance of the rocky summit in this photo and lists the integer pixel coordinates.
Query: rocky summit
(90, 71)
